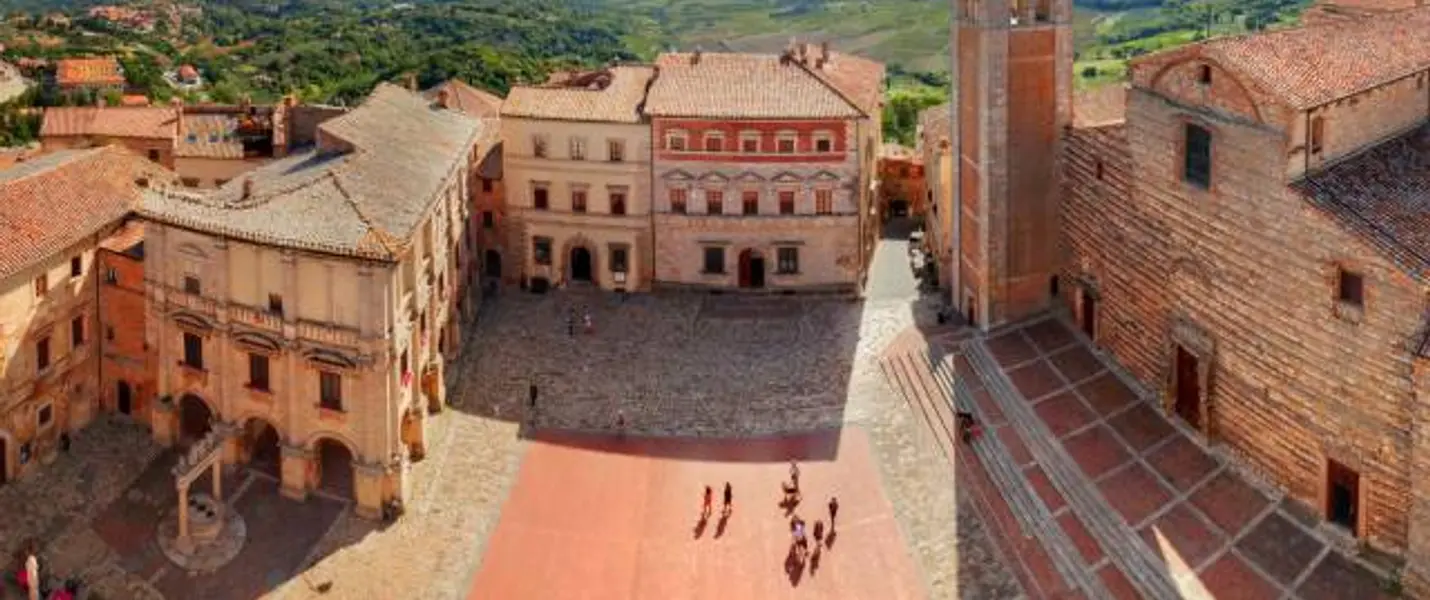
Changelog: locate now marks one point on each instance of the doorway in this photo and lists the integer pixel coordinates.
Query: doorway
(195, 420)
(1188, 389)
(969, 313)
(4, 459)
(334, 464)
(493, 264)
(580, 264)
(752, 269)
(1089, 315)
(125, 403)
(1342, 495)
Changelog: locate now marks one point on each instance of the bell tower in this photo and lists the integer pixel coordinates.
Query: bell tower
(1012, 98)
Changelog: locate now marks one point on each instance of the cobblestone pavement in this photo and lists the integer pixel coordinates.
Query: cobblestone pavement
(680, 365)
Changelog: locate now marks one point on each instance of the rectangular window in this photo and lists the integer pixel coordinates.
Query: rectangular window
(788, 260)
(677, 201)
(578, 149)
(1197, 167)
(578, 201)
(619, 260)
(258, 372)
(77, 332)
(750, 202)
(42, 286)
(786, 202)
(616, 150)
(675, 141)
(192, 182)
(111, 276)
(750, 144)
(538, 146)
(486, 185)
(714, 260)
(330, 390)
(618, 203)
(823, 144)
(824, 202)
(541, 198)
(489, 220)
(541, 250)
(714, 143)
(42, 355)
(192, 285)
(714, 202)
(275, 304)
(1318, 132)
(193, 351)
(76, 266)
(786, 145)
(1351, 288)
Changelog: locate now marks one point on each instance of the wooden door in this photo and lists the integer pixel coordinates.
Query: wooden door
(1188, 388)
(1342, 495)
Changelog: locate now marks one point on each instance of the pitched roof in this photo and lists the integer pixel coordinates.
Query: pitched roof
(89, 71)
(467, 99)
(612, 95)
(762, 86)
(1383, 196)
(144, 122)
(208, 136)
(361, 193)
(52, 202)
(1308, 66)
(1102, 105)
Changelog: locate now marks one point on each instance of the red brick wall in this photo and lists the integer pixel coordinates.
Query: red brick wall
(1032, 209)
(126, 355)
(804, 145)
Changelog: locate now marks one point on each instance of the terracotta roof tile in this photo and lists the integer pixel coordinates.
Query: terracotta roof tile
(52, 202)
(1308, 66)
(1102, 105)
(146, 122)
(1382, 195)
(755, 86)
(208, 136)
(467, 99)
(619, 101)
(89, 71)
(365, 202)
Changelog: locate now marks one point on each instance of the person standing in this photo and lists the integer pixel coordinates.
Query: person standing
(794, 475)
(833, 510)
(705, 505)
(729, 500)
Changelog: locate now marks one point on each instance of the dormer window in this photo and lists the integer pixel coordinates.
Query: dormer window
(675, 140)
(1204, 74)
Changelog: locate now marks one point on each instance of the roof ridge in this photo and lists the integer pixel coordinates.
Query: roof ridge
(383, 237)
(76, 154)
(833, 88)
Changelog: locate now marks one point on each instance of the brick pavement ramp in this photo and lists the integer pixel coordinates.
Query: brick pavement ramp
(605, 517)
(1149, 510)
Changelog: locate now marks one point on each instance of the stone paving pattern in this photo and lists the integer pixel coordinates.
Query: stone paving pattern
(672, 364)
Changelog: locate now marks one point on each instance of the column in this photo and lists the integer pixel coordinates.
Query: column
(369, 480)
(217, 476)
(296, 462)
(183, 515)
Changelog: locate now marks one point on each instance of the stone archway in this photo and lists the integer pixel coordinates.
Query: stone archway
(262, 447)
(195, 419)
(333, 468)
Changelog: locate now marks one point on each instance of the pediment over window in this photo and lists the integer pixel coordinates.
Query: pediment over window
(825, 176)
(787, 177)
(257, 342)
(714, 178)
(677, 175)
(749, 177)
(329, 359)
(192, 322)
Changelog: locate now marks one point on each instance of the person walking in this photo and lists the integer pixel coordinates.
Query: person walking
(705, 506)
(833, 510)
(729, 500)
(571, 323)
(818, 533)
(794, 475)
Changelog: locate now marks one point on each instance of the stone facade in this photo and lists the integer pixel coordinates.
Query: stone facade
(936, 150)
(127, 366)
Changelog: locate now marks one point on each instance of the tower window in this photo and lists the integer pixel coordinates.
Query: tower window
(1197, 162)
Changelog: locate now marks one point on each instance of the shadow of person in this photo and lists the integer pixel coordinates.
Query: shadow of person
(700, 527)
(814, 561)
(720, 525)
(794, 567)
(829, 539)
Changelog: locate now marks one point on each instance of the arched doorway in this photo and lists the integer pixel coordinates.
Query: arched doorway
(125, 398)
(580, 264)
(195, 419)
(334, 467)
(260, 444)
(752, 269)
(493, 264)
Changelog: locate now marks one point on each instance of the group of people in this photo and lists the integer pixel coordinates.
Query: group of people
(798, 530)
(585, 321)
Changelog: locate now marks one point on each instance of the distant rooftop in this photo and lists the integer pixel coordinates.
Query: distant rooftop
(89, 71)
(802, 82)
(613, 94)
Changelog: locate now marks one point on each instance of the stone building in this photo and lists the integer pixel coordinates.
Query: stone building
(901, 181)
(1247, 237)
(127, 368)
(56, 212)
(576, 168)
(314, 304)
(764, 168)
(148, 131)
(936, 151)
(99, 74)
(489, 212)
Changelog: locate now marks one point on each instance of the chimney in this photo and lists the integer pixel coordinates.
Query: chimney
(247, 187)
(823, 54)
(804, 54)
(245, 103)
(290, 101)
(443, 97)
(695, 58)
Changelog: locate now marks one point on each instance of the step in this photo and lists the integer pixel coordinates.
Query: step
(1119, 542)
(912, 374)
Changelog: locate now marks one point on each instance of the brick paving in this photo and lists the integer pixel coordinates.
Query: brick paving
(672, 365)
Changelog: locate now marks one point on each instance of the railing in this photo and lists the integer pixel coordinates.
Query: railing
(328, 334)
(193, 302)
(257, 318)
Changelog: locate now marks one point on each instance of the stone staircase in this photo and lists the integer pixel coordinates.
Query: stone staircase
(932, 388)
(1121, 544)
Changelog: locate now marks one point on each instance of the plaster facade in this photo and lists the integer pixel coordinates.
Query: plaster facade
(936, 150)
(127, 368)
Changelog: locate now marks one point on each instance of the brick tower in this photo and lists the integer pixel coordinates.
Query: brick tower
(1013, 96)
